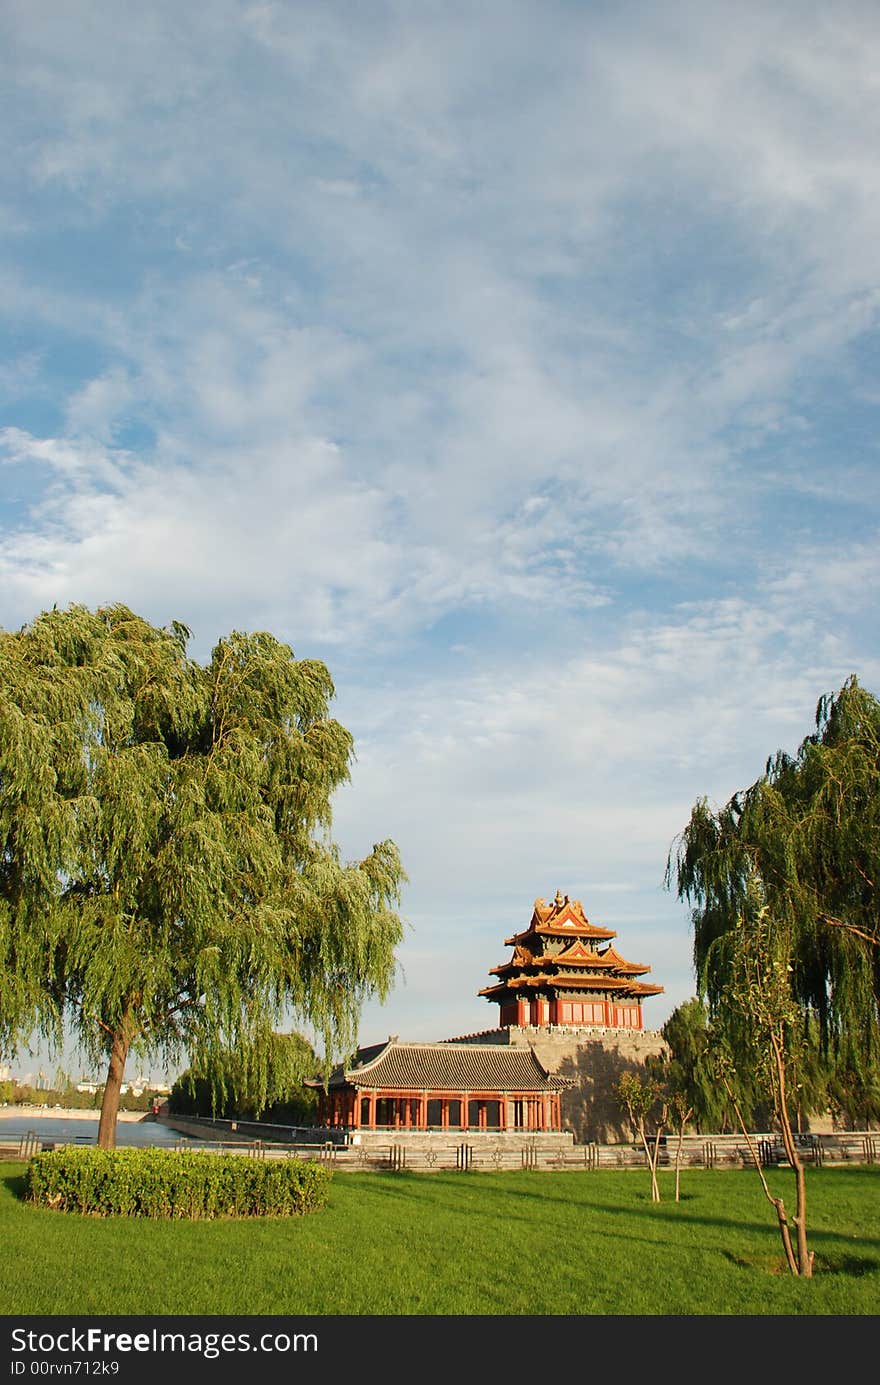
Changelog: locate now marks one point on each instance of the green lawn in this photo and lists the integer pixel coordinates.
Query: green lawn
(461, 1244)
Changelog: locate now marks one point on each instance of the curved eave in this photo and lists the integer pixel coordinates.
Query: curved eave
(555, 930)
(567, 981)
(545, 966)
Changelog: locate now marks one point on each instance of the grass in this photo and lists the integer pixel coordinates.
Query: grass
(534, 1243)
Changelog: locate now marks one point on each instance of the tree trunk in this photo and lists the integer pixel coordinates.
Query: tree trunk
(115, 1072)
(785, 1233)
(804, 1255)
(776, 1202)
(652, 1161)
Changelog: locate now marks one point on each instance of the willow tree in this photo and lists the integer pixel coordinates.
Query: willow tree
(808, 832)
(265, 1083)
(168, 882)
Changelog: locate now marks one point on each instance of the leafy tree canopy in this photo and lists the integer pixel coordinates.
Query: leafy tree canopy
(268, 1086)
(168, 882)
(807, 834)
(688, 1070)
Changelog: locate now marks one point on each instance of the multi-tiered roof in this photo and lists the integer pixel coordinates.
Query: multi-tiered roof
(565, 971)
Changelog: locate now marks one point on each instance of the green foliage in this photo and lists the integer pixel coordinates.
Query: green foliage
(640, 1097)
(227, 1088)
(71, 1100)
(820, 1085)
(169, 1183)
(806, 836)
(690, 1071)
(167, 879)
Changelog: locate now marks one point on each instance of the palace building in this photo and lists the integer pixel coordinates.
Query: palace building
(445, 1086)
(564, 971)
(570, 1006)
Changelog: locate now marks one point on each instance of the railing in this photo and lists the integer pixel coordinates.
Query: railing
(30, 1144)
(696, 1151)
(19, 1144)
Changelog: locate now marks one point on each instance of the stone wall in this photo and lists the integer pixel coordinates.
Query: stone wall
(594, 1058)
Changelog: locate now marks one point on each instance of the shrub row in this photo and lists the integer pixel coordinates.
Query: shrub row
(172, 1183)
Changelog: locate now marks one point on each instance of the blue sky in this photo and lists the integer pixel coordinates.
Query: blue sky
(519, 360)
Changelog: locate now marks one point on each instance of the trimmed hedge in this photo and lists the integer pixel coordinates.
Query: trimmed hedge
(171, 1183)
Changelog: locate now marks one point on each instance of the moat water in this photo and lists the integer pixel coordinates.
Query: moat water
(76, 1130)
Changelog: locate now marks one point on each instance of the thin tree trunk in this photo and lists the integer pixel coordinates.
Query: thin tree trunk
(655, 1162)
(646, 1147)
(113, 1086)
(652, 1161)
(804, 1255)
(784, 1230)
(785, 1233)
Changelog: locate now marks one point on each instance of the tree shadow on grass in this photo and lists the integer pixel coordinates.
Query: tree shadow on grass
(16, 1184)
(853, 1266)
